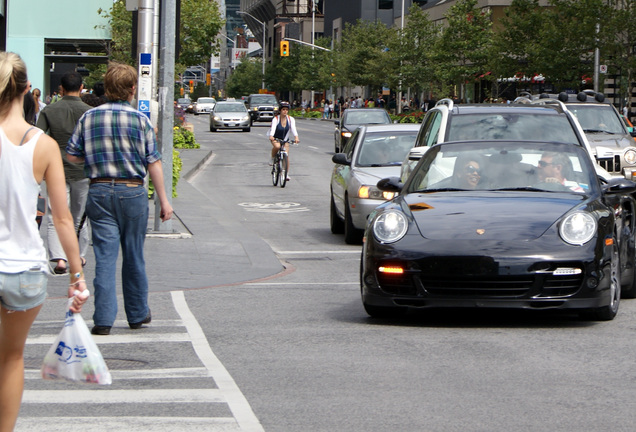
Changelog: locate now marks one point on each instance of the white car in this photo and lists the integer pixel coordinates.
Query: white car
(204, 105)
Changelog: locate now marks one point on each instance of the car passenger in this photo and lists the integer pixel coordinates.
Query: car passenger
(467, 172)
(553, 167)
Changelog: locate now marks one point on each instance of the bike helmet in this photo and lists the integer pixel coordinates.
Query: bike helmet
(284, 105)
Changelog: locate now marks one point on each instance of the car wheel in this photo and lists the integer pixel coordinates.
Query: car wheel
(352, 234)
(246, 129)
(337, 224)
(607, 313)
(212, 129)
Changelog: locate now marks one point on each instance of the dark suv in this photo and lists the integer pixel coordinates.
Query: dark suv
(611, 141)
(262, 107)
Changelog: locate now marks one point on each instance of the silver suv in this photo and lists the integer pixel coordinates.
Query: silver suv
(262, 106)
(448, 121)
(612, 143)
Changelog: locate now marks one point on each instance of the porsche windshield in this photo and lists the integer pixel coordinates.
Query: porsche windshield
(525, 166)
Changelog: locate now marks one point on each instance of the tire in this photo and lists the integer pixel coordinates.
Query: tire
(246, 129)
(275, 172)
(352, 234)
(607, 313)
(212, 129)
(336, 224)
(284, 166)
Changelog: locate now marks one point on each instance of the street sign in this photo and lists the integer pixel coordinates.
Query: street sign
(602, 69)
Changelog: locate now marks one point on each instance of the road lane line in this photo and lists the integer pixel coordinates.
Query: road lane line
(237, 402)
(318, 252)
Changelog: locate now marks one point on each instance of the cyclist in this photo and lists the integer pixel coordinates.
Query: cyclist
(282, 126)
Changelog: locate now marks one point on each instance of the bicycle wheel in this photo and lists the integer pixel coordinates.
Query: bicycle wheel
(284, 165)
(275, 171)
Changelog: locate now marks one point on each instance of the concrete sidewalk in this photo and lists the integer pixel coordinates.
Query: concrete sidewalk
(206, 249)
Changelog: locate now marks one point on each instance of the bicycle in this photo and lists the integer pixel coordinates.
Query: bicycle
(281, 164)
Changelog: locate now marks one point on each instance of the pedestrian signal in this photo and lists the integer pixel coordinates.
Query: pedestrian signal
(284, 48)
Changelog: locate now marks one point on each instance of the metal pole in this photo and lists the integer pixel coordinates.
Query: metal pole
(263, 80)
(313, 32)
(398, 107)
(166, 106)
(596, 59)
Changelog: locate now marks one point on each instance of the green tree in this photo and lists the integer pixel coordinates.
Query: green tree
(200, 23)
(568, 38)
(464, 47)
(515, 44)
(364, 56)
(619, 52)
(415, 50)
(245, 79)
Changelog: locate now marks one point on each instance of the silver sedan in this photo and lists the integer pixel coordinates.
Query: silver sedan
(230, 115)
(371, 154)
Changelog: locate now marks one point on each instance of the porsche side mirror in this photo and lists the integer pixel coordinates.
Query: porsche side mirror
(390, 184)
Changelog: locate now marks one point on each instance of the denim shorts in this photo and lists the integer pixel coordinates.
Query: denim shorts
(23, 291)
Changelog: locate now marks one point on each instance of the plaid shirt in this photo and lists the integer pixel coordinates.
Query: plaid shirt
(115, 140)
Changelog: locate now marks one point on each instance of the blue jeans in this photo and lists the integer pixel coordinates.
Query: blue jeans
(119, 216)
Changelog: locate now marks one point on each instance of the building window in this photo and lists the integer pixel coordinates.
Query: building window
(385, 4)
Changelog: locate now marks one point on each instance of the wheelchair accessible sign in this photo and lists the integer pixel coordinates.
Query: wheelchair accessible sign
(145, 83)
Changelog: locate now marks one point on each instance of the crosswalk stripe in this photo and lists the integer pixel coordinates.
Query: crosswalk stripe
(140, 337)
(130, 424)
(128, 396)
(134, 374)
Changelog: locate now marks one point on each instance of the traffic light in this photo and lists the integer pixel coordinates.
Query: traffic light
(191, 86)
(284, 48)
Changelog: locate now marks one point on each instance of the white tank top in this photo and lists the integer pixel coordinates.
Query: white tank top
(21, 247)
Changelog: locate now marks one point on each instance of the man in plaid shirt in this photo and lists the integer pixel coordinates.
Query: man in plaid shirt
(118, 147)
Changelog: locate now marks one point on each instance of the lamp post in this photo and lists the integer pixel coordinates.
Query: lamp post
(263, 47)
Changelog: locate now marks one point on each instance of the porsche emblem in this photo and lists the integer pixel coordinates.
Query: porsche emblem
(481, 231)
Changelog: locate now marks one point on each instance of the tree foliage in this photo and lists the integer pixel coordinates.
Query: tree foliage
(199, 26)
(246, 78)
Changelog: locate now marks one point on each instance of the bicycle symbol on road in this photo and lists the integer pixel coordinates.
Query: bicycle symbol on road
(280, 207)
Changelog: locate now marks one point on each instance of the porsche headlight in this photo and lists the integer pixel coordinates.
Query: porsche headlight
(630, 156)
(578, 228)
(372, 192)
(390, 227)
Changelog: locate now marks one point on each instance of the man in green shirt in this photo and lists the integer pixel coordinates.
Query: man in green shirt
(59, 121)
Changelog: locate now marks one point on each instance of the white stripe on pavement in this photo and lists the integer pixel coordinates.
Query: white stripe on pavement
(238, 404)
(140, 337)
(127, 396)
(129, 424)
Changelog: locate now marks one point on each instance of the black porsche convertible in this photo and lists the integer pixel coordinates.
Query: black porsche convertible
(502, 225)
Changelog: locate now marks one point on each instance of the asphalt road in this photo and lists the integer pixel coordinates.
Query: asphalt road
(296, 351)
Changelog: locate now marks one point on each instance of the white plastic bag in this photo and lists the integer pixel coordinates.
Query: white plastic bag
(74, 356)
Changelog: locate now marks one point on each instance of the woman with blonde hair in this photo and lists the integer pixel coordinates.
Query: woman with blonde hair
(27, 157)
(38, 102)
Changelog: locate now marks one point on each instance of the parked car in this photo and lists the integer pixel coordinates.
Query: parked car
(372, 152)
(518, 237)
(611, 141)
(354, 117)
(262, 107)
(204, 105)
(448, 121)
(230, 115)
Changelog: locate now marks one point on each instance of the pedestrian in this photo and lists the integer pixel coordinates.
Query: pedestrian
(39, 105)
(27, 156)
(29, 109)
(118, 147)
(59, 121)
